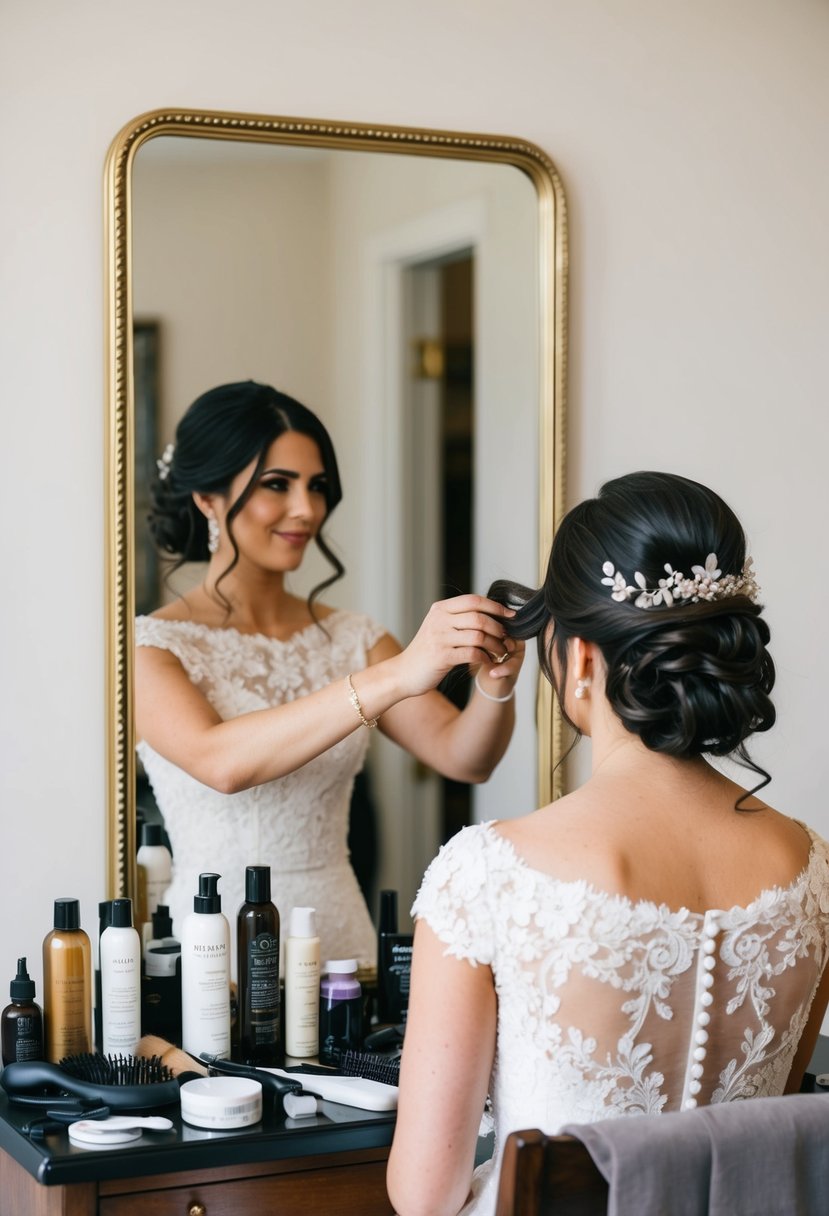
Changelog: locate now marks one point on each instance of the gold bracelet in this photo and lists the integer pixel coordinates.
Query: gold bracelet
(355, 701)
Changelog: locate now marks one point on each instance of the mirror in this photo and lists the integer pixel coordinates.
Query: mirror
(410, 287)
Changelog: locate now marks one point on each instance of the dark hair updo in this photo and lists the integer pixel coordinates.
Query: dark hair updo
(220, 434)
(688, 678)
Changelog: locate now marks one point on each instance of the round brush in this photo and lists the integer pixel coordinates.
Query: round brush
(182, 1066)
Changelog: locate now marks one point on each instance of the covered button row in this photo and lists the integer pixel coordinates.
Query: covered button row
(703, 1017)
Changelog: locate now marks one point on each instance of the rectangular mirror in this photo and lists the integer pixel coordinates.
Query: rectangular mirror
(410, 287)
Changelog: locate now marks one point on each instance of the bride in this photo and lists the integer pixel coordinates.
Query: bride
(254, 707)
(656, 939)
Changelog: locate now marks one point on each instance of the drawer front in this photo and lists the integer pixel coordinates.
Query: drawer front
(352, 1190)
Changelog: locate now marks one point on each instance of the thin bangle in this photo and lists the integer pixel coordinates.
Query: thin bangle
(489, 696)
(355, 701)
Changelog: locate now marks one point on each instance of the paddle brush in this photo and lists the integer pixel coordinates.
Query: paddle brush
(123, 1083)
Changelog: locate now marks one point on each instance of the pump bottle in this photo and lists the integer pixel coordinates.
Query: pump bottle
(67, 984)
(205, 973)
(257, 937)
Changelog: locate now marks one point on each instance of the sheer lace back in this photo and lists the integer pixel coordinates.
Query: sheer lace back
(299, 824)
(608, 1006)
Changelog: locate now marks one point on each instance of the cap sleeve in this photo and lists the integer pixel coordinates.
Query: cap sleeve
(179, 638)
(454, 897)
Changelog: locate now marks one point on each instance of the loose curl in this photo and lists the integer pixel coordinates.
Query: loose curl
(689, 679)
(220, 434)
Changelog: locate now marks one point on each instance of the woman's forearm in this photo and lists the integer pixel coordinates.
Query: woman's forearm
(479, 736)
(233, 755)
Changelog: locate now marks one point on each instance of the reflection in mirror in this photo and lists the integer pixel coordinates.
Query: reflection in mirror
(407, 300)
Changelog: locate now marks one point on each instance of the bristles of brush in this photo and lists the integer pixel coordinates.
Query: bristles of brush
(370, 1067)
(116, 1070)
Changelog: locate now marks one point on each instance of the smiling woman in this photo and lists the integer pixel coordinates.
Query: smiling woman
(251, 702)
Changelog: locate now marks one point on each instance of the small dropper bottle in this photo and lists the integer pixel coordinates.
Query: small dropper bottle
(22, 1020)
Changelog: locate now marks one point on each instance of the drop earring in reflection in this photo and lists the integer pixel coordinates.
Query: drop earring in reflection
(582, 688)
(212, 534)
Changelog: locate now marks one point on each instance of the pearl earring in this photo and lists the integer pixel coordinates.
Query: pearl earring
(582, 687)
(212, 534)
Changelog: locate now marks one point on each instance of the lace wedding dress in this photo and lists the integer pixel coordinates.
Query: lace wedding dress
(298, 825)
(611, 1007)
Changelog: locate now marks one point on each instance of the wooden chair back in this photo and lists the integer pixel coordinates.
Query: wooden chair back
(549, 1176)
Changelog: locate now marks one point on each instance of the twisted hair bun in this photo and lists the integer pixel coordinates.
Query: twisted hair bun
(696, 685)
(687, 677)
(176, 525)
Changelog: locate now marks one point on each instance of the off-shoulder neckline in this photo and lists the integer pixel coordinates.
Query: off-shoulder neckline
(684, 912)
(200, 627)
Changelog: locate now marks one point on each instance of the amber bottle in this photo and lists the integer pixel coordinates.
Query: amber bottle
(67, 984)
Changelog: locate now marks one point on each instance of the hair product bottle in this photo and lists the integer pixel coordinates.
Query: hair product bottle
(257, 939)
(302, 984)
(394, 963)
(155, 871)
(161, 980)
(22, 1020)
(205, 973)
(120, 982)
(341, 1010)
(67, 984)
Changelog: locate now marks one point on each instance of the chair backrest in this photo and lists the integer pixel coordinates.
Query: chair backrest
(549, 1176)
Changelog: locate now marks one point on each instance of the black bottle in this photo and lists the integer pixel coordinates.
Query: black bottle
(257, 942)
(22, 1021)
(394, 964)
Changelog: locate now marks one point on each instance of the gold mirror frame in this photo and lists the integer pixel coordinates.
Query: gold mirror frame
(120, 403)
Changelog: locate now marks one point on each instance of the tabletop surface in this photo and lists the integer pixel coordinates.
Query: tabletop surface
(55, 1161)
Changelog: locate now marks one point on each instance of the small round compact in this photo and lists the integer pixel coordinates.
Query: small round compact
(221, 1103)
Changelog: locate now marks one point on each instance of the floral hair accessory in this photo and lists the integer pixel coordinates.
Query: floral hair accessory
(708, 583)
(165, 461)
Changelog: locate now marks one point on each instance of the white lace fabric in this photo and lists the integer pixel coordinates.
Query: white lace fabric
(608, 1006)
(298, 825)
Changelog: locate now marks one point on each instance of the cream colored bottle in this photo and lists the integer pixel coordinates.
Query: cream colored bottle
(302, 984)
(205, 973)
(120, 982)
(67, 984)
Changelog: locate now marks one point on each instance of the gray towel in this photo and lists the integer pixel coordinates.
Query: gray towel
(763, 1157)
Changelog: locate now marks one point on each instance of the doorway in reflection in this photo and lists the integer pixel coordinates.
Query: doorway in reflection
(442, 384)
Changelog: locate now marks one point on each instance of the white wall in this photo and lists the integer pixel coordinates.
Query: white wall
(691, 136)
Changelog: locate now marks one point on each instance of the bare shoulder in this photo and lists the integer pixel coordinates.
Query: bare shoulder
(176, 610)
(563, 837)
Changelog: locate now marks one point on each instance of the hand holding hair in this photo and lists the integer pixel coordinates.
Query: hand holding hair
(467, 629)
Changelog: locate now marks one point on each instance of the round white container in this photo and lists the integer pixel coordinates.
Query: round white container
(221, 1103)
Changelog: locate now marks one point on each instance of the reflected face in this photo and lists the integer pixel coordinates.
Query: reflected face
(286, 508)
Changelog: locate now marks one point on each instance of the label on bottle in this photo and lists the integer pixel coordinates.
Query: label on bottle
(67, 1023)
(263, 980)
(205, 998)
(122, 1015)
(28, 1043)
(302, 987)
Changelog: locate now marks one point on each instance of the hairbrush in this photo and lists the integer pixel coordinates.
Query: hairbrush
(121, 1082)
(366, 1064)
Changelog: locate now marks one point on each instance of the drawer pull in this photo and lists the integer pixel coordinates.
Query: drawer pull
(197, 1209)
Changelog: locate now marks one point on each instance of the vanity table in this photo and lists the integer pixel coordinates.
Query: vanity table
(333, 1163)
